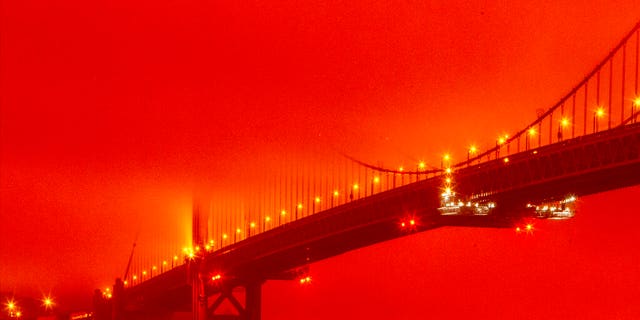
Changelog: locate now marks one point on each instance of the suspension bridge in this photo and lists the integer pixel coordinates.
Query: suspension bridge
(586, 143)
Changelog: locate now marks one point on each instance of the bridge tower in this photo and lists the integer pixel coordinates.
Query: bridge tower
(210, 292)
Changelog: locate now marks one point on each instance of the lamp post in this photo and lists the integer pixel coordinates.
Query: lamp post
(445, 158)
(530, 134)
(421, 167)
(599, 113)
(252, 226)
(316, 200)
(636, 103)
(472, 151)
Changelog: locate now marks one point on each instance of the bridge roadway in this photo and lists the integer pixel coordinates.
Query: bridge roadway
(580, 166)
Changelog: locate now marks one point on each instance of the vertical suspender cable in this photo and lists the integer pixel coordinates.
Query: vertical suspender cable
(551, 128)
(610, 91)
(586, 88)
(624, 67)
(597, 102)
(573, 117)
(636, 108)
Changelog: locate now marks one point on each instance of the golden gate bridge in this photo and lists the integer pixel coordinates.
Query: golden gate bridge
(588, 142)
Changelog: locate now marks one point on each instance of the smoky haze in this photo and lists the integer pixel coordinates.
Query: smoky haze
(114, 115)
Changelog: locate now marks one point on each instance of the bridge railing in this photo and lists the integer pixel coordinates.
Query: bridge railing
(608, 96)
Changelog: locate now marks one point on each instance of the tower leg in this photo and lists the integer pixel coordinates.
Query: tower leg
(198, 296)
(253, 303)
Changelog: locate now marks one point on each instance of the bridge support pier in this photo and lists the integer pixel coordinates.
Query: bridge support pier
(208, 300)
(252, 303)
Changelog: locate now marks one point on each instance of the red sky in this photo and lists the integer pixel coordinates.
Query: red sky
(113, 112)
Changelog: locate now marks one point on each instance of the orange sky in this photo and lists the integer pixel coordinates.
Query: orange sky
(112, 113)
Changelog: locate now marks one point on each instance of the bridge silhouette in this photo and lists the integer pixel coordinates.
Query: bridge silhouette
(586, 143)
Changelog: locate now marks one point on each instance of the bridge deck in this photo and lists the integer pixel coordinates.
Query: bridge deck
(581, 166)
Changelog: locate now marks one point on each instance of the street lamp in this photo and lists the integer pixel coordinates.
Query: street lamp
(472, 150)
(252, 225)
(11, 306)
(374, 181)
(267, 219)
(445, 158)
(599, 113)
(563, 124)
(299, 207)
(636, 102)
(501, 140)
(316, 200)
(47, 302)
(355, 188)
(529, 137)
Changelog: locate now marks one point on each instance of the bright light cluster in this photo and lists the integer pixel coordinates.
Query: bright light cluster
(107, 293)
(447, 184)
(451, 205)
(305, 280)
(47, 302)
(13, 310)
(528, 229)
(409, 223)
(502, 139)
(189, 252)
(555, 210)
